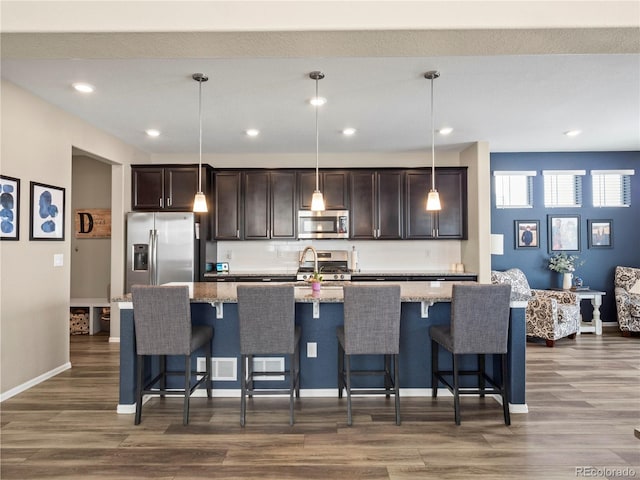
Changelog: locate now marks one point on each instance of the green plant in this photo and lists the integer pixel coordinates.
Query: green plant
(316, 277)
(564, 263)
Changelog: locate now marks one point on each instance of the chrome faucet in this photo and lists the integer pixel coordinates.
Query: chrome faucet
(315, 257)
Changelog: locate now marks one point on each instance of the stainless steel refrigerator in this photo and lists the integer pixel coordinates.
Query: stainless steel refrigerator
(162, 247)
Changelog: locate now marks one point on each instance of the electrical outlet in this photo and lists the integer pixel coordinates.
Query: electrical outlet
(229, 255)
(58, 260)
(427, 253)
(312, 350)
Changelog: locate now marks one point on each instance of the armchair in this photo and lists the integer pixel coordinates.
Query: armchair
(550, 314)
(627, 292)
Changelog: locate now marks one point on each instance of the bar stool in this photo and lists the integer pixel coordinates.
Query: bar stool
(162, 320)
(479, 325)
(266, 314)
(371, 326)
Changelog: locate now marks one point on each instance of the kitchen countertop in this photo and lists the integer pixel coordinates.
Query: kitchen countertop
(331, 292)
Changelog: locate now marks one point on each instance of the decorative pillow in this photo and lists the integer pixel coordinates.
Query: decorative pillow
(515, 277)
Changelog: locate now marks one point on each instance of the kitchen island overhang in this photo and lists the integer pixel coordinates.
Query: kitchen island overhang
(423, 304)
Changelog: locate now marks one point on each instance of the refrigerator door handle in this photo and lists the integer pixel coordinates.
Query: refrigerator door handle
(155, 257)
(150, 257)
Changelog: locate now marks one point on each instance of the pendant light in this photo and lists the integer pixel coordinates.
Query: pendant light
(317, 201)
(200, 201)
(433, 200)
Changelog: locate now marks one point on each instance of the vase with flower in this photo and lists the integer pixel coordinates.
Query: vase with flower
(565, 264)
(316, 281)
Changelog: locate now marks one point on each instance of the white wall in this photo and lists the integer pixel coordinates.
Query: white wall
(36, 145)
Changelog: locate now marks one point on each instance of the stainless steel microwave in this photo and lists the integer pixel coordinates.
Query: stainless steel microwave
(327, 224)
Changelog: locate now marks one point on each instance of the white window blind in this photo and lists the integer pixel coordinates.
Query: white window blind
(611, 188)
(514, 189)
(563, 188)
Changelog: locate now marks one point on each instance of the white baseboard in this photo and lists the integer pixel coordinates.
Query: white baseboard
(33, 382)
(114, 339)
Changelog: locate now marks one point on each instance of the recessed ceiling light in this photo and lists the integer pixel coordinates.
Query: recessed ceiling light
(318, 101)
(83, 87)
(445, 131)
(152, 132)
(252, 132)
(349, 131)
(573, 133)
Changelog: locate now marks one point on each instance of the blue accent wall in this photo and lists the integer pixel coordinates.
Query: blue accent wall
(598, 269)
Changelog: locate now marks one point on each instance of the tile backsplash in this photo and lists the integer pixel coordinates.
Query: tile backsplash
(373, 256)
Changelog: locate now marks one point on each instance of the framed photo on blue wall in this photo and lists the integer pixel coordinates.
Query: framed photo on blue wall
(9, 208)
(600, 233)
(563, 232)
(527, 233)
(46, 216)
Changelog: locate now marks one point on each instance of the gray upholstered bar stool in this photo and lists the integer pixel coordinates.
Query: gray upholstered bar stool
(371, 327)
(162, 321)
(266, 314)
(480, 326)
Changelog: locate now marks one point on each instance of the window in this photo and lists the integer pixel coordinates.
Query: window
(514, 189)
(563, 188)
(611, 188)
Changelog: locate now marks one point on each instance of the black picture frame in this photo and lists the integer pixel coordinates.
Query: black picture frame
(600, 233)
(563, 232)
(9, 208)
(527, 233)
(47, 212)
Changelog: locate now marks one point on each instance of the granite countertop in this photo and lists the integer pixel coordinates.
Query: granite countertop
(331, 292)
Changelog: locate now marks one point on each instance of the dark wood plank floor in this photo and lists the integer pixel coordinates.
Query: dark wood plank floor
(583, 397)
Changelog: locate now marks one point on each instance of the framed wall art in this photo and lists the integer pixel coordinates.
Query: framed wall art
(46, 216)
(600, 233)
(9, 208)
(527, 233)
(564, 233)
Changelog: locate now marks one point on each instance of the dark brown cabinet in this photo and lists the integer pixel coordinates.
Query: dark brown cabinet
(227, 205)
(269, 205)
(376, 204)
(448, 223)
(164, 188)
(334, 186)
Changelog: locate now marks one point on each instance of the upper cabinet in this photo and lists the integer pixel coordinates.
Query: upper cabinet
(255, 205)
(227, 206)
(448, 223)
(376, 204)
(269, 204)
(164, 187)
(334, 185)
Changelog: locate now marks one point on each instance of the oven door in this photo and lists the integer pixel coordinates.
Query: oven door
(327, 224)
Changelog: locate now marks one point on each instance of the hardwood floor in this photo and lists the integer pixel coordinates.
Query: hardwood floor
(583, 397)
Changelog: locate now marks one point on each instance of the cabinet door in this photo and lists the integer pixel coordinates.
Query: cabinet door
(420, 224)
(335, 188)
(363, 213)
(147, 188)
(227, 205)
(283, 205)
(389, 204)
(333, 185)
(452, 187)
(256, 205)
(181, 185)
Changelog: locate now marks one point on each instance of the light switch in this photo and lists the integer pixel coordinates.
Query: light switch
(312, 350)
(58, 260)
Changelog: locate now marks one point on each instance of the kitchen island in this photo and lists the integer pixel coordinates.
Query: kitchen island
(423, 304)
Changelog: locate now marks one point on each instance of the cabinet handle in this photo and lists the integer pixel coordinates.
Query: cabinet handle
(238, 233)
(433, 232)
(168, 201)
(437, 232)
(160, 202)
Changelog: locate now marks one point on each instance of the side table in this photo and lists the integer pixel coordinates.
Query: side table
(595, 326)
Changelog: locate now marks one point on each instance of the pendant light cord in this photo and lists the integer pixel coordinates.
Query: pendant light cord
(200, 134)
(433, 144)
(317, 140)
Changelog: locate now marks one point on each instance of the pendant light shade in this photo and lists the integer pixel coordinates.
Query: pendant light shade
(200, 201)
(317, 200)
(433, 200)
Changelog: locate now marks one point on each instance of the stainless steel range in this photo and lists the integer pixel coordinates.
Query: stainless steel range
(332, 264)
